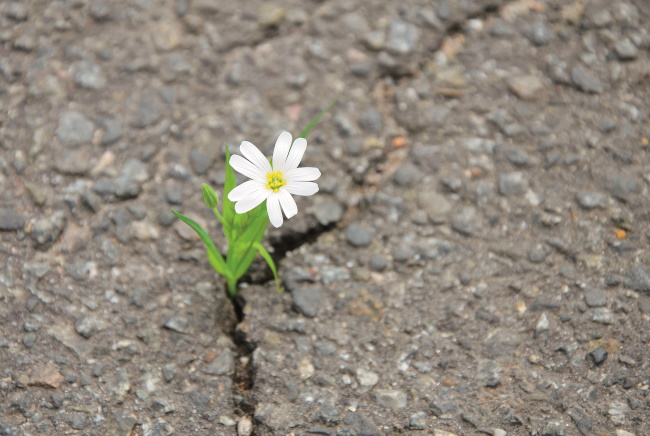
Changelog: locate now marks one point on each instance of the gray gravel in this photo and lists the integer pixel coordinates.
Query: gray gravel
(476, 261)
(10, 220)
(75, 128)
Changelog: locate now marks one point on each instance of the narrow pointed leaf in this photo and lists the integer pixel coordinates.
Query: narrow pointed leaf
(213, 252)
(269, 261)
(240, 223)
(217, 263)
(228, 211)
(242, 254)
(315, 121)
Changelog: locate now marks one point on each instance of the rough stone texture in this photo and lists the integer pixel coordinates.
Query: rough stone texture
(407, 175)
(526, 87)
(177, 324)
(626, 50)
(112, 130)
(475, 261)
(512, 184)
(465, 221)
(402, 37)
(358, 236)
(489, 373)
(391, 398)
(327, 210)
(75, 128)
(586, 80)
(308, 300)
(10, 220)
(596, 298)
(223, 364)
(48, 229)
(148, 110)
(598, 355)
(46, 376)
(638, 279)
(89, 325)
(436, 206)
(592, 200)
(621, 186)
(89, 75)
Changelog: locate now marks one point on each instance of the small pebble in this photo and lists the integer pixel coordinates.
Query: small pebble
(596, 298)
(357, 235)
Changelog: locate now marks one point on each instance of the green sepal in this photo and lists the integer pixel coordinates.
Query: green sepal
(214, 257)
(269, 261)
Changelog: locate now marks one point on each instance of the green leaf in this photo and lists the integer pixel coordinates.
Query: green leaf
(317, 119)
(213, 253)
(228, 206)
(241, 252)
(269, 261)
(218, 265)
(239, 223)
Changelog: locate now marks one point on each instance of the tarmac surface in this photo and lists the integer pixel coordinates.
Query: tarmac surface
(475, 263)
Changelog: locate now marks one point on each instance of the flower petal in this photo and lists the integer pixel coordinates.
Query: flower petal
(295, 155)
(246, 168)
(245, 190)
(301, 188)
(289, 206)
(254, 155)
(306, 174)
(273, 209)
(251, 202)
(281, 151)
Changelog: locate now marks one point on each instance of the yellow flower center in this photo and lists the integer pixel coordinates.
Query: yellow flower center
(275, 181)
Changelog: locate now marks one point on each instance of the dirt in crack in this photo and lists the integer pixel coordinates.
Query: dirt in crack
(260, 273)
(243, 379)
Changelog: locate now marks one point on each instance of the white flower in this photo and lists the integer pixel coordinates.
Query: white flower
(273, 181)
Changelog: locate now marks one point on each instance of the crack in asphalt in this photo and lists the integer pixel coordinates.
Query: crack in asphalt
(244, 376)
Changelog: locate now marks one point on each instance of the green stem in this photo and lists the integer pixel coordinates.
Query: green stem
(232, 288)
(250, 247)
(248, 250)
(315, 121)
(224, 224)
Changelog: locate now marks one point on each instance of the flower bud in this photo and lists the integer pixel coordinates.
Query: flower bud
(210, 197)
